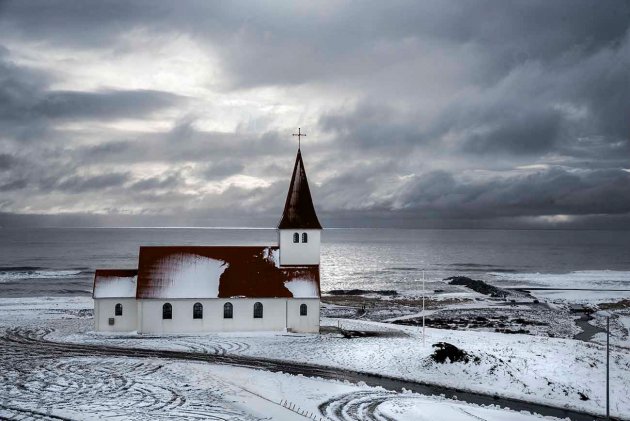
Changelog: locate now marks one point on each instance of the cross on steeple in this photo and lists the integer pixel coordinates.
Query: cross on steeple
(299, 134)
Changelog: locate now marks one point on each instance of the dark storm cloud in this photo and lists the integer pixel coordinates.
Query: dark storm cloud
(25, 99)
(575, 106)
(439, 105)
(103, 104)
(7, 161)
(551, 192)
(74, 22)
(521, 134)
(14, 185)
(287, 42)
(225, 152)
(79, 184)
(221, 169)
(154, 183)
(370, 126)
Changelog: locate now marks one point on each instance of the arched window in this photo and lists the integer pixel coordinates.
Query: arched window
(303, 310)
(118, 310)
(167, 311)
(228, 311)
(258, 310)
(197, 311)
(304, 237)
(296, 237)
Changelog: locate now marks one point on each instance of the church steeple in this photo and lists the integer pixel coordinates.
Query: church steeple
(299, 212)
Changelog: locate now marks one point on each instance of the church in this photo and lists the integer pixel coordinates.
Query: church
(196, 289)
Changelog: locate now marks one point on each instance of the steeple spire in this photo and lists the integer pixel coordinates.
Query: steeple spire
(299, 211)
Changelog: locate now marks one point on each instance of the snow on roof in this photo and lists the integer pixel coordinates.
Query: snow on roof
(185, 275)
(302, 288)
(115, 283)
(272, 254)
(221, 272)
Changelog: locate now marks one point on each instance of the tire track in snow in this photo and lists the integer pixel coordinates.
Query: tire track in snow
(34, 378)
(366, 406)
(199, 344)
(362, 405)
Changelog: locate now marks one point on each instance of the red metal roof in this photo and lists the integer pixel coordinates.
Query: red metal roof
(220, 272)
(299, 211)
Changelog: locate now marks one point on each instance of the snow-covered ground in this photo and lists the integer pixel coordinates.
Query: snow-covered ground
(600, 285)
(558, 372)
(619, 328)
(127, 388)
(120, 388)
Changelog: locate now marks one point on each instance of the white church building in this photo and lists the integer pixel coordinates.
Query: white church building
(188, 289)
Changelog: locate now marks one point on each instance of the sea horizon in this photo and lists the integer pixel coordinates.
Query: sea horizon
(61, 260)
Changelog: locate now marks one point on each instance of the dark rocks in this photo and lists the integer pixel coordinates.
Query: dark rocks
(361, 292)
(478, 286)
(520, 331)
(445, 351)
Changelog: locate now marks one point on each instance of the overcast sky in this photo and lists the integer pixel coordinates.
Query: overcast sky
(420, 113)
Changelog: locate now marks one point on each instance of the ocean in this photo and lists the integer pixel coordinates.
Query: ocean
(61, 261)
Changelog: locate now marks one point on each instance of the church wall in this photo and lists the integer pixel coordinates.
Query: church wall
(299, 253)
(308, 323)
(274, 316)
(104, 310)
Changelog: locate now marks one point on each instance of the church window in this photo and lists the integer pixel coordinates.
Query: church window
(258, 310)
(118, 310)
(303, 310)
(296, 237)
(197, 311)
(228, 311)
(167, 311)
(304, 237)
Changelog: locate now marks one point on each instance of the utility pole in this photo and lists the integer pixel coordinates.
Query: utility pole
(608, 367)
(423, 291)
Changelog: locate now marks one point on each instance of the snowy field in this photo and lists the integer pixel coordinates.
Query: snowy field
(545, 370)
(39, 386)
(558, 372)
(127, 388)
(599, 285)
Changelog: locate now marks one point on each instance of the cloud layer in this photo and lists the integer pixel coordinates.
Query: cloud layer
(436, 113)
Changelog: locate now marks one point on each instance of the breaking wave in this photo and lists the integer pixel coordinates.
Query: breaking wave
(10, 274)
(577, 279)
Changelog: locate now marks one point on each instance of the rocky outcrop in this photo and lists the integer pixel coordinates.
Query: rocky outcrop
(445, 352)
(478, 286)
